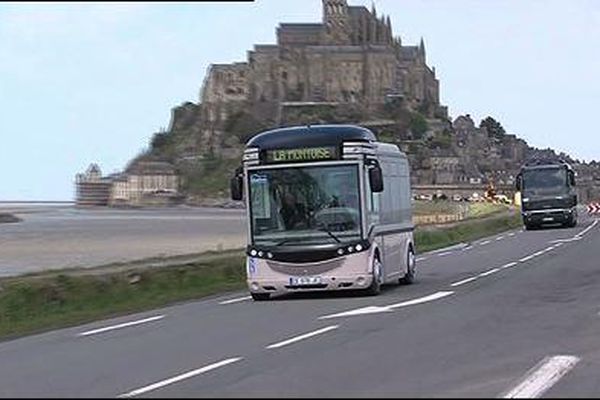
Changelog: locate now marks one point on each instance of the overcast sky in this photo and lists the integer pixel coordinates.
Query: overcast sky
(91, 82)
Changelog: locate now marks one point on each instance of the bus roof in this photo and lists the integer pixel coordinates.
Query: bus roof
(310, 135)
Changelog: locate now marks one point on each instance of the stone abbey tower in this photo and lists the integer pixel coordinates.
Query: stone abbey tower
(351, 58)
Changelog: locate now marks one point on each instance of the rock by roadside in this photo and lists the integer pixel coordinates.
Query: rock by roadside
(7, 218)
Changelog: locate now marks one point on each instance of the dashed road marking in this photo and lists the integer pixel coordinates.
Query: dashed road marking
(120, 326)
(509, 265)
(524, 259)
(179, 378)
(237, 300)
(302, 337)
(484, 243)
(464, 281)
(491, 271)
(542, 377)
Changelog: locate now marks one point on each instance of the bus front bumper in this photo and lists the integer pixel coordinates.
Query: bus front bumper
(343, 273)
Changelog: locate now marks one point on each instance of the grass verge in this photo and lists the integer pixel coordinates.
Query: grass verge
(41, 302)
(471, 229)
(37, 303)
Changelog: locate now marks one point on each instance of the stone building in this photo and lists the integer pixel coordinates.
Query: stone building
(91, 188)
(351, 57)
(143, 183)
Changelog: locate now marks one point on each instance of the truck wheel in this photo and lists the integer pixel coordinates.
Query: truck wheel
(260, 296)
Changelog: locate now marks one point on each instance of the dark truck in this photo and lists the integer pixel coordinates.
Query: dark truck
(548, 194)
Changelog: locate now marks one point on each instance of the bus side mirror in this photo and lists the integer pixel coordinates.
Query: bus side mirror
(236, 185)
(572, 178)
(519, 182)
(376, 179)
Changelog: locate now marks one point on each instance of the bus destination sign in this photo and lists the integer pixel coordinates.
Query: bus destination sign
(301, 154)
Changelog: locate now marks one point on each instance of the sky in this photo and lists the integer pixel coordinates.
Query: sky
(91, 82)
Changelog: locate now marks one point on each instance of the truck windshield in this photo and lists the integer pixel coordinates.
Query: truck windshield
(305, 205)
(545, 181)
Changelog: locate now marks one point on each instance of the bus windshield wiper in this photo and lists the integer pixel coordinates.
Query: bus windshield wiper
(324, 229)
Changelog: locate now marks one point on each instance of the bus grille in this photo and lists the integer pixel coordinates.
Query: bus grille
(305, 269)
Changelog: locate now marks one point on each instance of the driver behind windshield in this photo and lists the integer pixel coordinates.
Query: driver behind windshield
(293, 212)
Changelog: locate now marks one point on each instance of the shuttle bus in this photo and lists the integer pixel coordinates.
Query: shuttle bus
(328, 208)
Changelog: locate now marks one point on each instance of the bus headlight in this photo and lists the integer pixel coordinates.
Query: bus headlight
(350, 248)
(260, 254)
(270, 255)
(358, 247)
(340, 251)
(253, 252)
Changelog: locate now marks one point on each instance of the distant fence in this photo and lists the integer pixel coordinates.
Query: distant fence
(438, 218)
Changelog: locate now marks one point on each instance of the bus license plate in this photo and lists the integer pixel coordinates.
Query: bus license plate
(305, 280)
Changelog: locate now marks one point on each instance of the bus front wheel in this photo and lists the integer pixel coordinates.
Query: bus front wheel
(409, 276)
(375, 287)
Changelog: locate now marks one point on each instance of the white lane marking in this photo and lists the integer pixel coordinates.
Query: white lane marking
(539, 253)
(181, 377)
(431, 297)
(468, 248)
(458, 246)
(512, 264)
(484, 243)
(444, 253)
(231, 301)
(586, 230)
(500, 238)
(543, 376)
(511, 234)
(383, 309)
(573, 239)
(550, 248)
(358, 311)
(421, 259)
(491, 271)
(124, 325)
(302, 337)
(558, 244)
(463, 281)
(527, 258)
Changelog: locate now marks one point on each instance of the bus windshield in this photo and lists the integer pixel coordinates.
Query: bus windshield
(305, 205)
(545, 181)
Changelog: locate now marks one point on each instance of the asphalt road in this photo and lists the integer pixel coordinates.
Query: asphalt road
(67, 237)
(516, 314)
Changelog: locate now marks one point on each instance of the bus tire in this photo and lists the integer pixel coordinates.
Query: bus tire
(375, 287)
(260, 296)
(409, 277)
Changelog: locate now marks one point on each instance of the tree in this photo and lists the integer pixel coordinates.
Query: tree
(159, 141)
(418, 125)
(493, 127)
